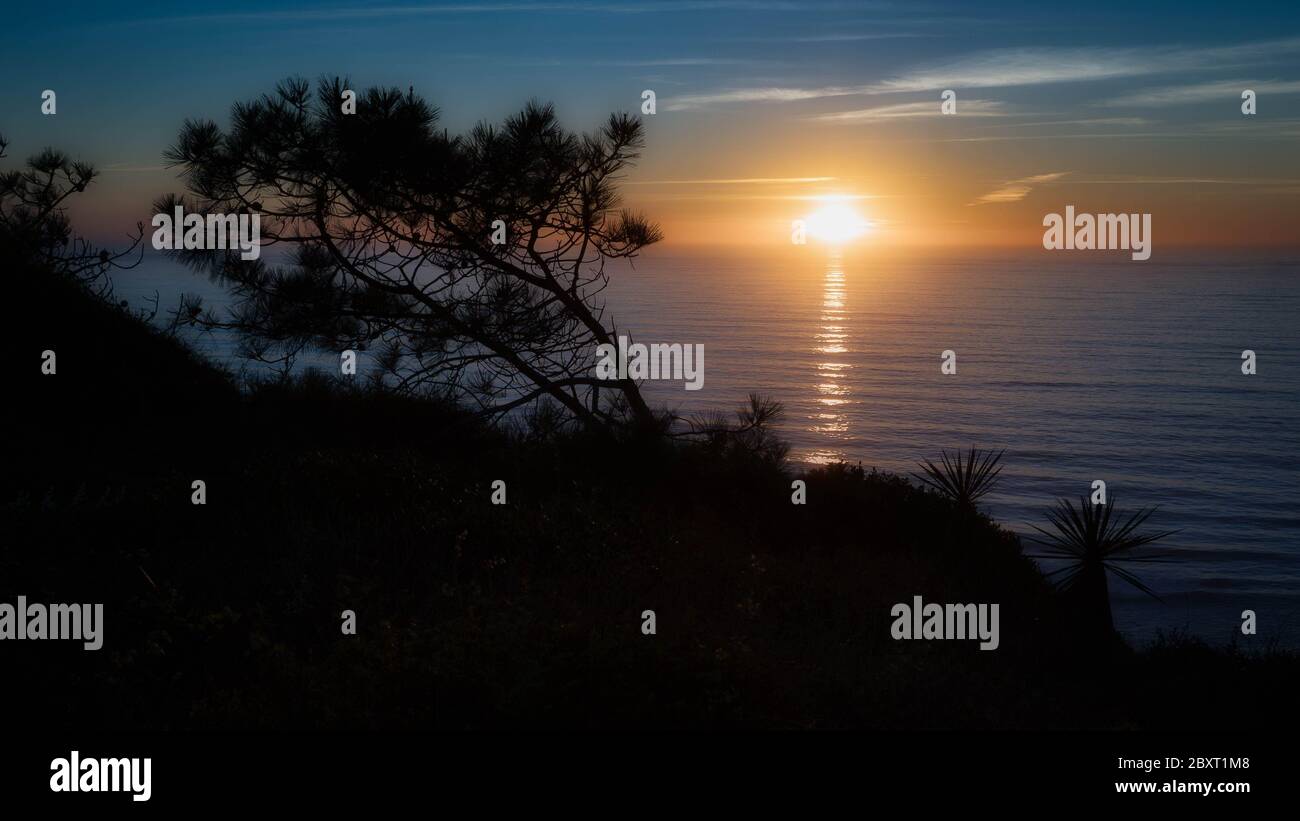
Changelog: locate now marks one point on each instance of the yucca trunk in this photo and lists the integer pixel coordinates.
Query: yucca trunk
(1088, 603)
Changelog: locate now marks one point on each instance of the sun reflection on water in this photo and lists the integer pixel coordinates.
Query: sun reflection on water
(830, 343)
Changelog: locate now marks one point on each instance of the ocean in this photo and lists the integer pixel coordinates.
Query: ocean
(1080, 368)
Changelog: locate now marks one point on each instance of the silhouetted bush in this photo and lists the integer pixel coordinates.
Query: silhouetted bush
(323, 497)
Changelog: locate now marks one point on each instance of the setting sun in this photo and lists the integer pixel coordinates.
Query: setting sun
(836, 222)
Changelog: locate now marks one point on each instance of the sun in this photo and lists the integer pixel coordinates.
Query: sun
(836, 223)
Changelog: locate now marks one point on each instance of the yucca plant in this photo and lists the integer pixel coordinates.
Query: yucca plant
(964, 478)
(1094, 539)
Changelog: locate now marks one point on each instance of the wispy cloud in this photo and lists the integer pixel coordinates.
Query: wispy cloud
(1247, 127)
(1001, 68)
(1184, 181)
(1019, 67)
(1111, 121)
(734, 181)
(771, 94)
(908, 111)
(1240, 128)
(854, 38)
(1091, 135)
(666, 62)
(1013, 67)
(1017, 190)
(720, 197)
(1227, 90)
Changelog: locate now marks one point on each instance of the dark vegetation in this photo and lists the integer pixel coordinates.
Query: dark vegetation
(323, 496)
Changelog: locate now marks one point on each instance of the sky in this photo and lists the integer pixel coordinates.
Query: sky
(761, 107)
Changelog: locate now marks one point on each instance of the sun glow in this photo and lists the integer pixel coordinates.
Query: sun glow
(836, 222)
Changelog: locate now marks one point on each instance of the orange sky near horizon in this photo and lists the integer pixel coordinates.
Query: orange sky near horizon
(961, 194)
(909, 202)
(741, 177)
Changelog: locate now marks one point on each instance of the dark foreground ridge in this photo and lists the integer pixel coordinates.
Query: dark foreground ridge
(322, 497)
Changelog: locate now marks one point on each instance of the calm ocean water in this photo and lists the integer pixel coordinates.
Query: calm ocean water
(1081, 369)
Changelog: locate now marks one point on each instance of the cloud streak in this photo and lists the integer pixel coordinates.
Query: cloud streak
(1001, 68)
(734, 181)
(1016, 67)
(1227, 90)
(911, 111)
(769, 94)
(1017, 190)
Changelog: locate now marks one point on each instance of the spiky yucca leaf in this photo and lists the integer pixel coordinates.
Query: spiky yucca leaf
(963, 478)
(1095, 535)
